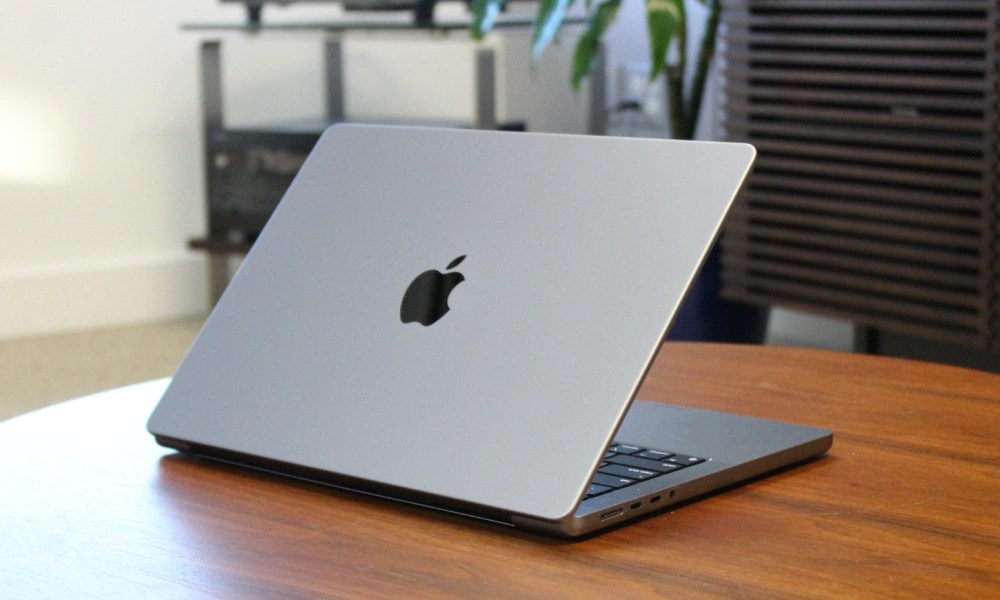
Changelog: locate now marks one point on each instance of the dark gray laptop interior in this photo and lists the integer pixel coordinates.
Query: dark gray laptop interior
(461, 319)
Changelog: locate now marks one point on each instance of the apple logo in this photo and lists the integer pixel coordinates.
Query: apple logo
(426, 300)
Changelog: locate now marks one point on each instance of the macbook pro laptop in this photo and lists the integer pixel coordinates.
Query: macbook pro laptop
(461, 320)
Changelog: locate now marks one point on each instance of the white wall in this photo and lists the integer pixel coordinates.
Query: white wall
(98, 165)
(100, 146)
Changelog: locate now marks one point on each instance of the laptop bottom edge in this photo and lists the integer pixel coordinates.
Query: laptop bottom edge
(340, 482)
(590, 518)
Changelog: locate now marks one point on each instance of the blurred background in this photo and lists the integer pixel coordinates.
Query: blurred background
(102, 158)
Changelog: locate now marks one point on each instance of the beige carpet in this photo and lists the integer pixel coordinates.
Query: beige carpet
(36, 372)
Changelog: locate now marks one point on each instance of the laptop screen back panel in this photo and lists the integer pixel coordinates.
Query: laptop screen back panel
(577, 252)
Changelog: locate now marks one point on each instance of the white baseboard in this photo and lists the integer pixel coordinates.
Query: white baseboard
(96, 294)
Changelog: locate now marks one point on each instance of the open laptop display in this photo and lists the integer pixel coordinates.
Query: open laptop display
(461, 319)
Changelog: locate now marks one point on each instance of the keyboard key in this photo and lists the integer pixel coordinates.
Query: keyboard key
(644, 463)
(611, 481)
(627, 472)
(597, 490)
(682, 459)
(625, 448)
(655, 454)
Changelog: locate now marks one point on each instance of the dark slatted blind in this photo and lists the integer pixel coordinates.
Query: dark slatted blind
(874, 197)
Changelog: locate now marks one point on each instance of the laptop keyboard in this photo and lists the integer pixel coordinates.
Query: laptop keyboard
(628, 464)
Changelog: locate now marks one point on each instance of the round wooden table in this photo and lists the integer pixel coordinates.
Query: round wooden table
(907, 503)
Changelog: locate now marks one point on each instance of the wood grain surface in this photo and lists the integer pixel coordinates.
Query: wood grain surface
(906, 504)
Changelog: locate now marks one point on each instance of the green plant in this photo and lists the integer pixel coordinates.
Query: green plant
(667, 25)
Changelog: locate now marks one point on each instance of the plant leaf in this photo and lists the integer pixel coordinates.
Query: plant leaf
(484, 17)
(547, 23)
(590, 42)
(662, 18)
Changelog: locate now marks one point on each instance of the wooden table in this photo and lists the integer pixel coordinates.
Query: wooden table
(907, 503)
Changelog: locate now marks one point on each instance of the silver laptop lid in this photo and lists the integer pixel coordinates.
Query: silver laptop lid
(577, 252)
